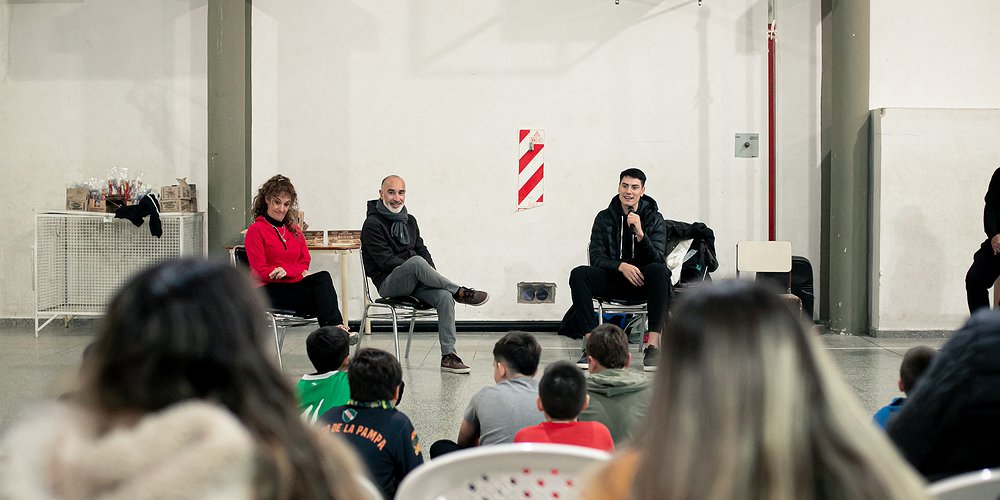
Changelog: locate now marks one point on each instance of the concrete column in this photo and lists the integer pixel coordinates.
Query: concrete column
(228, 122)
(846, 138)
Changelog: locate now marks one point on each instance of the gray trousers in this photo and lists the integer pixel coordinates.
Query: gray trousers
(417, 278)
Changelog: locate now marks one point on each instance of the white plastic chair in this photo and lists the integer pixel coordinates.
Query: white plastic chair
(978, 485)
(520, 470)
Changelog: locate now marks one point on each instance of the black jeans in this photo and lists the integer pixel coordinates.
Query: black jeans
(984, 271)
(313, 296)
(587, 282)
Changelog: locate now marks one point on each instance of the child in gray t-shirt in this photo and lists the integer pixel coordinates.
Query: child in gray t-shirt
(497, 412)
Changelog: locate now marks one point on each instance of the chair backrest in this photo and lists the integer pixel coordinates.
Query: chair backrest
(764, 256)
(979, 485)
(364, 276)
(238, 256)
(520, 470)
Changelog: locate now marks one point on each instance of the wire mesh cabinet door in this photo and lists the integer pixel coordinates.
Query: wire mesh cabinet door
(81, 259)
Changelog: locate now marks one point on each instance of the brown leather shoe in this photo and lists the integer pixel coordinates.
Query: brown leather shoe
(471, 297)
(452, 363)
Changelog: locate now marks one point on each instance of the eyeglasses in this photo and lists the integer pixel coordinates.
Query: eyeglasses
(402, 385)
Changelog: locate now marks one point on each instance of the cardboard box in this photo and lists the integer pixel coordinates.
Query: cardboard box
(313, 238)
(76, 198)
(180, 191)
(113, 203)
(178, 205)
(95, 205)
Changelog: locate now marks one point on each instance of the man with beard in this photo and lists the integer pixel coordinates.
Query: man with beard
(627, 245)
(399, 264)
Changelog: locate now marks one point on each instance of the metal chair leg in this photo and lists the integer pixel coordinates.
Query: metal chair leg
(277, 342)
(600, 313)
(395, 330)
(361, 330)
(409, 336)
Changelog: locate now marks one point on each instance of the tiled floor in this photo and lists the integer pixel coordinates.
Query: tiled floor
(33, 369)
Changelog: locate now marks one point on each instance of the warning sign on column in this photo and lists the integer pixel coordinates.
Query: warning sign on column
(530, 168)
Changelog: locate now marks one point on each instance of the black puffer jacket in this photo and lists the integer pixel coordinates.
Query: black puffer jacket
(606, 235)
(949, 422)
(381, 252)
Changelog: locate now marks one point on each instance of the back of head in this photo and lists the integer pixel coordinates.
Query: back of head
(327, 347)
(915, 363)
(185, 329)
(608, 345)
(373, 375)
(752, 408)
(519, 351)
(563, 390)
(191, 329)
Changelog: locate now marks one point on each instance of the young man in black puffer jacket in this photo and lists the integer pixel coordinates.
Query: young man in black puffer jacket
(627, 245)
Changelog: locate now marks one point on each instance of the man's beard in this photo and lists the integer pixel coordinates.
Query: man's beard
(395, 210)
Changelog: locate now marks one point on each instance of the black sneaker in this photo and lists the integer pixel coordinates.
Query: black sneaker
(583, 363)
(650, 357)
(452, 363)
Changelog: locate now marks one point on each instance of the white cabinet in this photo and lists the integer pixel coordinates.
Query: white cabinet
(82, 258)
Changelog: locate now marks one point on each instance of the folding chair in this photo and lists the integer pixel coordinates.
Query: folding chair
(416, 308)
(634, 308)
(768, 257)
(278, 319)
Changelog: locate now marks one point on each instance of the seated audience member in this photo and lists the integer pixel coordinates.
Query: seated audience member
(915, 361)
(497, 412)
(562, 394)
(279, 258)
(746, 404)
(619, 397)
(949, 422)
(179, 398)
(329, 350)
(382, 435)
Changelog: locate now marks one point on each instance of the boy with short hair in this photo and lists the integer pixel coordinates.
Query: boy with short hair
(497, 412)
(915, 362)
(562, 395)
(619, 397)
(382, 436)
(328, 349)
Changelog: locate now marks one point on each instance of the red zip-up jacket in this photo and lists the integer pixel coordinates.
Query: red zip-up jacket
(269, 247)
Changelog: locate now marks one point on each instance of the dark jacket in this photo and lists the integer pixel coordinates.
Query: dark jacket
(991, 211)
(606, 235)
(949, 423)
(703, 243)
(381, 252)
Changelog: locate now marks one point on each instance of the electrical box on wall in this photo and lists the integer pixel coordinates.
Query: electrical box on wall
(747, 145)
(533, 292)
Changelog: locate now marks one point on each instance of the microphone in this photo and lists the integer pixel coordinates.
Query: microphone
(630, 226)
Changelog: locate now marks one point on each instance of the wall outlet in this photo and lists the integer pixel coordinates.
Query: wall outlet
(534, 292)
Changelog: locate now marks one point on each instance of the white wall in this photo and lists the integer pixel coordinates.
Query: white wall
(928, 54)
(931, 171)
(85, 86)
(345, 93)
(933, 54)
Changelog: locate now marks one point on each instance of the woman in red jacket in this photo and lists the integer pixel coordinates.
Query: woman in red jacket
(279, 258)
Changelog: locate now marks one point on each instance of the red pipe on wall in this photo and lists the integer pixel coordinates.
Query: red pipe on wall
(771, 161)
